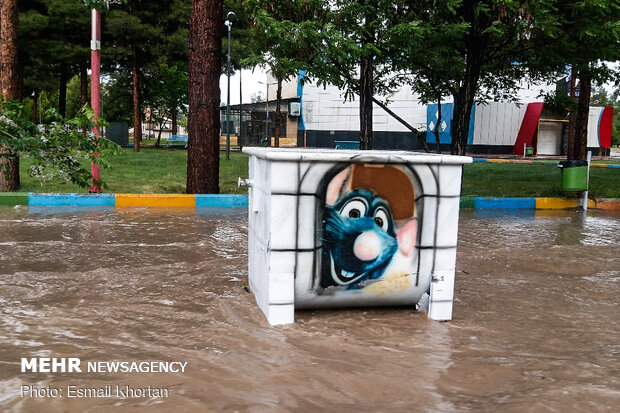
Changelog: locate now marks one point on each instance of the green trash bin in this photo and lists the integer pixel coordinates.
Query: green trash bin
(574, 175)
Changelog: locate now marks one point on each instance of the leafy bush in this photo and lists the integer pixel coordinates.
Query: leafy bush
(56, 147)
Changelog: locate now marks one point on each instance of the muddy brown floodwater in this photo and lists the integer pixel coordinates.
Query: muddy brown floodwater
(536, 319)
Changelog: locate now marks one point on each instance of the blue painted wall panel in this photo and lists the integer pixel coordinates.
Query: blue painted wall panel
(301, 125)
(445, 134)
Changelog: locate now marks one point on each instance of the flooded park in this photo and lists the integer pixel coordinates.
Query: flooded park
(535, 323)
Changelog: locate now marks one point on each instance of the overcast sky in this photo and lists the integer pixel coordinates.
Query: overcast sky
(249, 85)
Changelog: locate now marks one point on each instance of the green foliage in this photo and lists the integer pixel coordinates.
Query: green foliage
(168, 87)
(74, 95)
(285, 35)
(55, 148)
(351, 32)
(155, 35)
(583, 35)
(116, 97)
(429, 63)
(53, 39)
(560, 102)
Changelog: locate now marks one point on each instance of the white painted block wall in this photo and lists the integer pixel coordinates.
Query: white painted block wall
(326, 109)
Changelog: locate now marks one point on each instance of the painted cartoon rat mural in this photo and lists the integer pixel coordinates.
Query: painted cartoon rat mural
(360, 235)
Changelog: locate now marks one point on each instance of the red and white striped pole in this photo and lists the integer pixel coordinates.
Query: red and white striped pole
(95, 62)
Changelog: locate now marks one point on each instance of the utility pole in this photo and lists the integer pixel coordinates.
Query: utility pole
(240, 112)
(95, 63)
(228, 24)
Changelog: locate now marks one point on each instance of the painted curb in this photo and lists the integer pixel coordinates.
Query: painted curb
(241, 201)
(539, 162)
(504, 203)
(609, 204)
(124, 200)
(155, 200)
(536, 203)
(221, 201)
(70, 199)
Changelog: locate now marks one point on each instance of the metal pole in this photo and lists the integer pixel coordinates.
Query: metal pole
(585, 193)
(240, 113)
(267, 122)
(39, 106)
(229, 25)
(95, 59)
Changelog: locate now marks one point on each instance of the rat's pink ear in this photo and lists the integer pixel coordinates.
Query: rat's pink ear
(335, 186)
(407, 237)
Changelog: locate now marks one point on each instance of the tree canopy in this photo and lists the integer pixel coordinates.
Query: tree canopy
(443, 49)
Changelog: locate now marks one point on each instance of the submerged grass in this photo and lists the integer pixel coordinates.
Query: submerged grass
(163, 171)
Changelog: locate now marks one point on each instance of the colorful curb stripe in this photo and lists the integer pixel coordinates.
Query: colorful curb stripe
(155, 200)
(71, 199)
(241, 201)
(535, 203)
(540, 162)
(125, 200)
(221, 201)
(608, 204)
(561, 203)
(504, 203)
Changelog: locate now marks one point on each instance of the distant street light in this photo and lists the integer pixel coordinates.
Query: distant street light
(267, 112)
(228, 24)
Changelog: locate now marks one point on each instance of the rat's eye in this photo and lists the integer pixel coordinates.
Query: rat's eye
(381, 218)
(355, 208)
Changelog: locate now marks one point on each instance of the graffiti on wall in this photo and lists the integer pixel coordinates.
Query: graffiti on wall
(369, 230)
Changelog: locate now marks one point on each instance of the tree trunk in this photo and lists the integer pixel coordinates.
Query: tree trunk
(174, 122)
(161, 127)
(9, 87)
(137, 113)
(571, 118)
(366, 95)
(62, 91)
(464, 97)
(278, 112)
(463, 104)
(583, 112)
(205, 49)
(367, 87)
(437, 131)
(83, 85)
